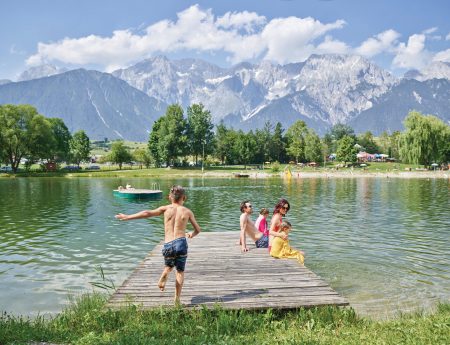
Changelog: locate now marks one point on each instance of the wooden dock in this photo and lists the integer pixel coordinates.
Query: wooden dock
(218, 273)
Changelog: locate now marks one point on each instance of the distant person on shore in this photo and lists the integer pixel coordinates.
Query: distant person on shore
(175, 248)
(281, 248)
(261, 221)
(280, 211)
(248, 228)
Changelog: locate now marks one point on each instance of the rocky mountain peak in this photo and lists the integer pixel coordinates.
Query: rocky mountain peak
(41, 71)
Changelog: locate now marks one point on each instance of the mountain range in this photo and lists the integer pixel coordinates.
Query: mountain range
(322, 91)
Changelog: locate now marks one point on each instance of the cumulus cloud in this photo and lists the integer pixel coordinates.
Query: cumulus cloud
(383, 42)
(239, 36)
(242, 35)
(292, 39)
(248, 21)
(442, 56)
(332, 46)
(412, 54)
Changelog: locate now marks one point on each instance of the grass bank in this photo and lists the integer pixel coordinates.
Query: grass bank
(87, 321)
(332, 169)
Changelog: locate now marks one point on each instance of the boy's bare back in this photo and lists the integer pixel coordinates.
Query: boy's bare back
(175, 221)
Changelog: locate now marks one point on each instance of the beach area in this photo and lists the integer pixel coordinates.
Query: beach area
(340, 174)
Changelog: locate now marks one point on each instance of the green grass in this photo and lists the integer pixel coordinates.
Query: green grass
(88, 321)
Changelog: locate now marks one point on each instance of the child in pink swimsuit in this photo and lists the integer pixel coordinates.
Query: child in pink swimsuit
(261, 221)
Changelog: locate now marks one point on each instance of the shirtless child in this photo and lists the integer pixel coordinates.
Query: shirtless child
(175, 247)
(249, 228)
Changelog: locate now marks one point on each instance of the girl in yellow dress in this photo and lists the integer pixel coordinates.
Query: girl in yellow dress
(281, 248)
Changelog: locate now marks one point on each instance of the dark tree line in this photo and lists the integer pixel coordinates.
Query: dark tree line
(175, 139)
(26, 134)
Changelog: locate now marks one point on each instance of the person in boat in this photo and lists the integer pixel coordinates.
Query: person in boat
(175, 249)
(281, 248)
(128, 186)
(248, 228)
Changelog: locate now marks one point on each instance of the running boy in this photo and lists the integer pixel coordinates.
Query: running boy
(175, 247)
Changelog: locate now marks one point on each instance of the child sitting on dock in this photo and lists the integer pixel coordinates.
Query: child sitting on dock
(281, 248)
(175, 248)
(261, 221)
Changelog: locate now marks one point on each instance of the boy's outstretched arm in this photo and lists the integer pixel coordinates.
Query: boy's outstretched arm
(142, 214)
(195, 225)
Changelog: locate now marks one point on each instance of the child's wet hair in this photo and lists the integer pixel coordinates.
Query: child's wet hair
(285, 224)
(176, 193)
(263, 211)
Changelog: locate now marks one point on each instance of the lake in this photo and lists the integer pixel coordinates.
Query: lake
(382, 243)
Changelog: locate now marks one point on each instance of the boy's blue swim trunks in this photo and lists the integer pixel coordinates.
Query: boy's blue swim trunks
(175, 253)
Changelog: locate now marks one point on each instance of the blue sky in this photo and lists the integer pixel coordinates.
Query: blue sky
(396, 34)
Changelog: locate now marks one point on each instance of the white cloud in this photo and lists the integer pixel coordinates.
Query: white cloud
(331, 46)
(413, 54)
(242, 35)
(292, 39)
(447, 38)
(429, 31)
(383, 42)
(442, 56)
(248, 21)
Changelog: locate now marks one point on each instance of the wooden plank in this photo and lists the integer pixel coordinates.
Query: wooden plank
(218, 273)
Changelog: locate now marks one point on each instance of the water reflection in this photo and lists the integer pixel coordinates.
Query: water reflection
(383, 243)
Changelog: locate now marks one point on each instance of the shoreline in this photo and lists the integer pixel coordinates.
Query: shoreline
(341, 174)
(252, 174)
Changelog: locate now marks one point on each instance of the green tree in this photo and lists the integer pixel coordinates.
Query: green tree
(119, 153)
(264, 142)
(153, 142)
(296, 135)
(172, 137)
(313, 147)
(278, 144)
(367, 141)
(143, 156)
(346, 151)
(329, 144)
(245, 147)
(423, 139)
(223, 144)
(61, 149)
(339, 130)
(384, 143)
(80, 148)
(42, 140)
(199, 130)
(394, 146)
(23, 133)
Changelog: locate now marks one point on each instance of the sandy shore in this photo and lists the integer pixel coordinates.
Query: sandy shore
(342, 174)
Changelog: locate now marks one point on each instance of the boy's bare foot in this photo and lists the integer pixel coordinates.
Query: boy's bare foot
(162, 281)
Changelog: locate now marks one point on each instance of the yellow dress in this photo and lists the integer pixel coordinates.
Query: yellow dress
(282, 250)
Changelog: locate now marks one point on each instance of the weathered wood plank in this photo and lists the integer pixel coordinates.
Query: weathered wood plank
(218, 273)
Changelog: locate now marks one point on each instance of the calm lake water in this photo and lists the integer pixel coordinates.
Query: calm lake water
(382, 243)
